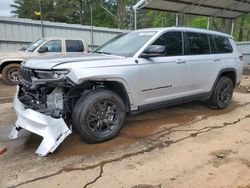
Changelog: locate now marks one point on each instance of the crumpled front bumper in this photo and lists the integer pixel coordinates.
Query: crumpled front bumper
(53, 130)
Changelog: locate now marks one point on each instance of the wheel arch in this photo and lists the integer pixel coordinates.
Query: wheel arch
(228, 72)
(118, 88)
(113, 85)
(8, 62)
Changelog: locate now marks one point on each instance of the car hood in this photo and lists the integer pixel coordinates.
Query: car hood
(50, 62)
(14, 55)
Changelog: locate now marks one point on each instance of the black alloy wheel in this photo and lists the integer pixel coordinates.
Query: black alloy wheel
(103, 117)
(222, 94)
(98, 115)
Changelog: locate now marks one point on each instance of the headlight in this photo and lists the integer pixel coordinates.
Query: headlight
(50, 74)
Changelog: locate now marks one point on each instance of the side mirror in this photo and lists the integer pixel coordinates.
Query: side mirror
(43, 49)
(23, 49)
(153, 51)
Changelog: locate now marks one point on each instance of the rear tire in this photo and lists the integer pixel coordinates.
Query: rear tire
(98, 115)
(10, 74)
(222, 94)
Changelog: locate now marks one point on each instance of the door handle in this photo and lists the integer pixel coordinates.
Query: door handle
(216, 59)
(180, 61)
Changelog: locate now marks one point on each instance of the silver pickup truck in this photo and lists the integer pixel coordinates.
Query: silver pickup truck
(10, 61)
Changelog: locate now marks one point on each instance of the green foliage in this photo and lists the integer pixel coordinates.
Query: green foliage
(26, 9)
(198, 21)
(242, 28)
(119, 14)
(149, 18)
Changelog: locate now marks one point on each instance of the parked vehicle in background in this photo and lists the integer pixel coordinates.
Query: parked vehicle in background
(132, 73)
(10, 61)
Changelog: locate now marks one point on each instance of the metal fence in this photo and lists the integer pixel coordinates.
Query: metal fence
(17, 32)
(245, 50)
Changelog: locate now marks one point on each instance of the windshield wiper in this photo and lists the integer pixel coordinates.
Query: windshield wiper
(103, 53)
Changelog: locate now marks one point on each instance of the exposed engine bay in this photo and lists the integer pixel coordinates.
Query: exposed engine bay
(44, 100)
(43, 105)
(43, 92)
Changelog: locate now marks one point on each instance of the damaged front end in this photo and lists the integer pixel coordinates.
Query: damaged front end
(42, 107)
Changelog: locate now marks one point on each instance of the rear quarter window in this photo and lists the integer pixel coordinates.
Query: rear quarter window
(222, 44)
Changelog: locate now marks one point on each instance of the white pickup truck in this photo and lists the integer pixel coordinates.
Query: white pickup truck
(10, 61)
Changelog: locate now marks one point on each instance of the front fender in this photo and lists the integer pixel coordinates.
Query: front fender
(12, 60)
(84, 75)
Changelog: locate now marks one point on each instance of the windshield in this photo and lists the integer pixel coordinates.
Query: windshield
(126, 44)
(34, 45)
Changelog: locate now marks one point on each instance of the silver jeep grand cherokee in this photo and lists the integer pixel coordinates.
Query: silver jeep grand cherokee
(132, 73)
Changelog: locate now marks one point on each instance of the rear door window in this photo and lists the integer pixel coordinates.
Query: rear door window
(173, 43)
(198, 44)
(222, 44)
(74, 46)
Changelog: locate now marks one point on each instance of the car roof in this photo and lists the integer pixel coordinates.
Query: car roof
(62, 38)
(190, 29)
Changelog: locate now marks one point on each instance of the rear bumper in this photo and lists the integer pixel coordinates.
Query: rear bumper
(53, 130)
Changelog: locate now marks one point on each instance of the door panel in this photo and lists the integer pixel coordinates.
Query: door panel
(201, 64)
(203, 70)
(162, 78)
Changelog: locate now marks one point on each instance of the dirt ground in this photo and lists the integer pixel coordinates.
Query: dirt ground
(184, 146)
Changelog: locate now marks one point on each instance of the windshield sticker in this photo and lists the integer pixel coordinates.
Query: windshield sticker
(146, 33)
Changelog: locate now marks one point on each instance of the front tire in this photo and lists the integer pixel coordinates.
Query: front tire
(98, 115)
(10, 74)
(222, 94)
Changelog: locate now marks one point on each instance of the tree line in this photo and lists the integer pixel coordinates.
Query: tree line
(119, 14)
